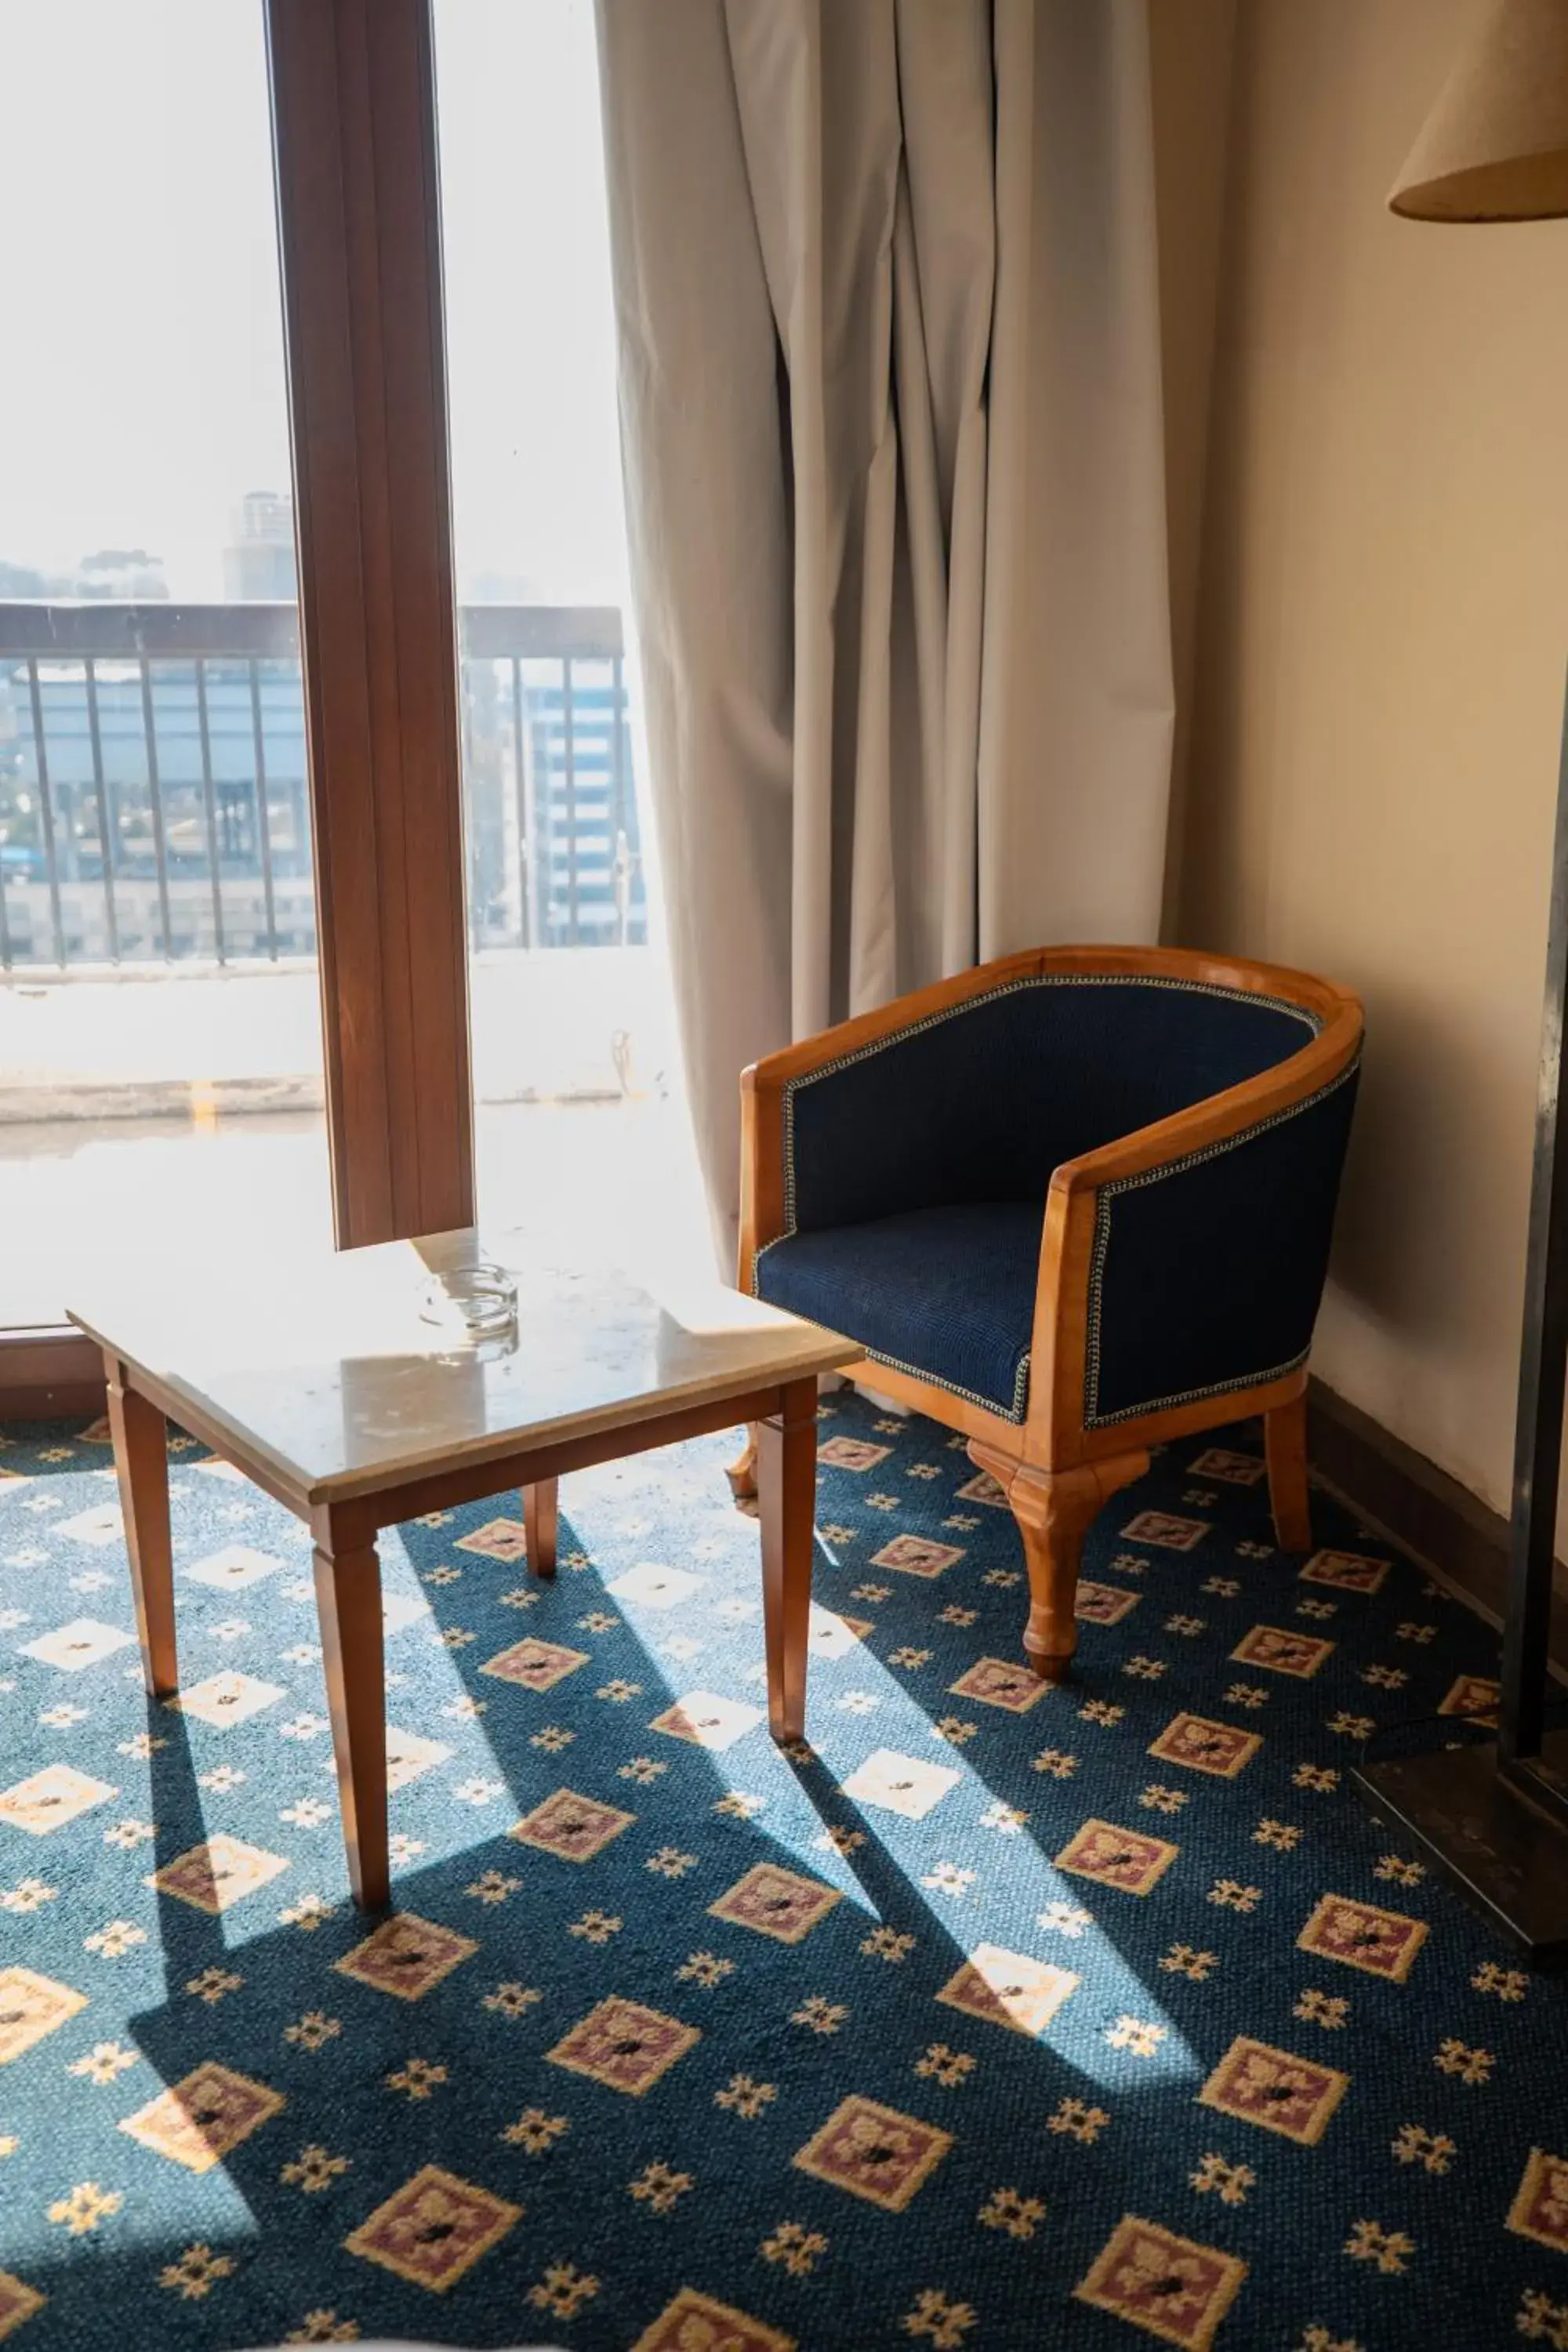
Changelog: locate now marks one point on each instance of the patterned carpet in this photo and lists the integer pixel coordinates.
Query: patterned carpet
(1002, 2016)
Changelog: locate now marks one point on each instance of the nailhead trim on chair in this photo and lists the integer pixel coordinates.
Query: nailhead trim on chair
(951, 1013)
(1107, 1192)
(987, 1404)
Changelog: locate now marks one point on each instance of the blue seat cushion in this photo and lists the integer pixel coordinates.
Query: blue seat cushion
(947, 1293)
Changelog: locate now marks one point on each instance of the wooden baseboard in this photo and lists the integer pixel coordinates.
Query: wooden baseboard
(50, 1375)
(1428, 1513)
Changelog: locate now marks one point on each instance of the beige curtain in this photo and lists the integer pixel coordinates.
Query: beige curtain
(886, 291)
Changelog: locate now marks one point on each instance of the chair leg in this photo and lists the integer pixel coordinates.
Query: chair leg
(743, 1472)
(1054, 1511)
(1285, 1444)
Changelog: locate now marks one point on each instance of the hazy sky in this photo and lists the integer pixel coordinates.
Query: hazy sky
(141, 392)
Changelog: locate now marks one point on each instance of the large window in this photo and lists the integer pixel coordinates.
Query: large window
(229, 772)
(160, 1078)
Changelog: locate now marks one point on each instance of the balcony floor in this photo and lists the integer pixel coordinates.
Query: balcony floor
(173, 1119)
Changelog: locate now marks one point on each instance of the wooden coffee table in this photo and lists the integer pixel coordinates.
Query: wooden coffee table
(319, 1380)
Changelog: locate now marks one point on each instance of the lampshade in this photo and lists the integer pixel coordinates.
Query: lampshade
(1495, 145)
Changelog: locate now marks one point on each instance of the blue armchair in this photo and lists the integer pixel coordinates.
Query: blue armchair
(1073, 1203)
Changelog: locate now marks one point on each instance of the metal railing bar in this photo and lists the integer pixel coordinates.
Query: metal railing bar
(156, 808)
(209, 809)
(113, 632)
(47, 813)
(624, 862)
(571, 792)
(470, 844)
(67, 632)
(106, 839)
(263, 809)
(524, 827)
(497, 632)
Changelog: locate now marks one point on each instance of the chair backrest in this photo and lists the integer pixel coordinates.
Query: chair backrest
(981, 1102)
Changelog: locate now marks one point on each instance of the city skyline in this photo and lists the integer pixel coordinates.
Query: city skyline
(262, 529)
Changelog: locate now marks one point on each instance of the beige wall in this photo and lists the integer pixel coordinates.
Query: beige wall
(1382, 622)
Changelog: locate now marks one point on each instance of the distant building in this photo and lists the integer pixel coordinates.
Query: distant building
(122, 576)
(259, 563)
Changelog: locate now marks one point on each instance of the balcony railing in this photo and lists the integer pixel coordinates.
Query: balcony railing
(154, 803)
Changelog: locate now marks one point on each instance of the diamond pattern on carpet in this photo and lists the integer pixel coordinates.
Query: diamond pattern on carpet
(999, 2016)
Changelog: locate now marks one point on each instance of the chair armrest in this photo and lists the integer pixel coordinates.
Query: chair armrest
(1188, 1259)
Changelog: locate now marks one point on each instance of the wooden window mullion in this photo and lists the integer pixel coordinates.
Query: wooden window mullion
(354, 137)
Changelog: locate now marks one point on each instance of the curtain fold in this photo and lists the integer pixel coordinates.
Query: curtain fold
(888, 321)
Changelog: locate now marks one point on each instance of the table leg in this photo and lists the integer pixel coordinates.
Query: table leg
(540, 1514)
(348, 1598)
(141, 1465)
(786, 1504)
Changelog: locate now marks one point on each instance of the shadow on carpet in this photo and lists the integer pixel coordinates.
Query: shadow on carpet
(999, 2016)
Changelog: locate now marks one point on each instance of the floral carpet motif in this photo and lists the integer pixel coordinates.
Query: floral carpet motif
(998, 2018)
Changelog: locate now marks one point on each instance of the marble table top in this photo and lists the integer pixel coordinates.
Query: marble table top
(323, 1374)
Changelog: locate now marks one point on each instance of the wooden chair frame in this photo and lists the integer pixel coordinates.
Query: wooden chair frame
(1055, 1469)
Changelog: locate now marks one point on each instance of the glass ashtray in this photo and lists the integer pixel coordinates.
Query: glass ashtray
(477, 1301)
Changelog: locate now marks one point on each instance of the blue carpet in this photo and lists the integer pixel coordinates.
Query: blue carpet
(1002, 2016)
